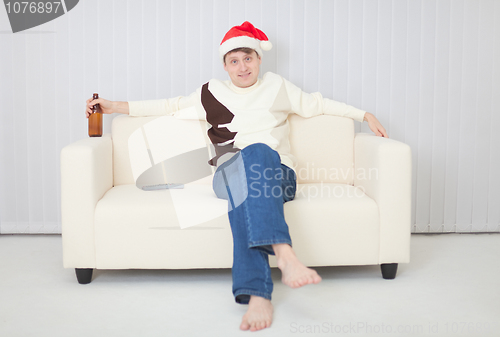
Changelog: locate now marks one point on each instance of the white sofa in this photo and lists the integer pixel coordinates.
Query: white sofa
(352, 207)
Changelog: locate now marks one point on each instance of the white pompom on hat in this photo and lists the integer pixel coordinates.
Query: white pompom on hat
(244, 36)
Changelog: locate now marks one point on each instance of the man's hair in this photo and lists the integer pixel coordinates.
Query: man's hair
(243, 49)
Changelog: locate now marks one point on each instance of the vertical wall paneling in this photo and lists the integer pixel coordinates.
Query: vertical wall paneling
(135, 66)
(414, 13)
(268, 11)
(428, 69)
(494, 177)
(63, 108)
(21, 176)
(178, 49)
(193, 50)
(32, 125)
(209, 54)
(483, 118)
(81, 79)
(311, 73)
(163, 48)
(86, 48)
(221, 23)
(355, 54)
(340, 50)
(148, 50)
(426, 114)
(8, 214)
(283, 38)
(369, 59)
(453, 114)
(297, 47)
(397, 108)
(384, 63)
(439, 117)
(49, 164)
(325, 36)
(104, 19)
(468, 113)
(238, 12)
(119, 43)
(249, 11)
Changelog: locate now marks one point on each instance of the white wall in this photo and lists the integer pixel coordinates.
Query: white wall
(429, 69)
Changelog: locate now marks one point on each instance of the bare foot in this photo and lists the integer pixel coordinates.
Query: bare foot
(294, 273)
(259, 314)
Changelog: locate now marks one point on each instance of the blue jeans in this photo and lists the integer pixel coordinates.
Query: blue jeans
(256, 185)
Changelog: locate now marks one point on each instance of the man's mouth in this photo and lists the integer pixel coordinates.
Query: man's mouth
(245, 75)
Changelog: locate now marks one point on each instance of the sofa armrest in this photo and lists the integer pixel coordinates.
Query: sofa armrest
(383, 171)
(86, 175)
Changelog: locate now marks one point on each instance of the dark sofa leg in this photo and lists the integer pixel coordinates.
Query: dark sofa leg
(84, 275)
(389, 270)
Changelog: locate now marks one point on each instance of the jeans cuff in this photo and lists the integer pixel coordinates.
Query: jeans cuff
(266, 245)
(243, 296)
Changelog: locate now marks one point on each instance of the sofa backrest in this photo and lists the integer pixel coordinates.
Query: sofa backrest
(323, 146)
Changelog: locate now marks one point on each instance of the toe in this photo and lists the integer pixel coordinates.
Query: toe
(244, 325)
(261, 325)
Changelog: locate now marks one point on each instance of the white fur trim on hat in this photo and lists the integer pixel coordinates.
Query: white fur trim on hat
(241, 42)
(266, 45)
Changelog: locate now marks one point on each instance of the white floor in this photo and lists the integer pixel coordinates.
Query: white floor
(451, 287)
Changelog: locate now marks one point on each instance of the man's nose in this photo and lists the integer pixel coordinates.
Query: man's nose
(243, 66)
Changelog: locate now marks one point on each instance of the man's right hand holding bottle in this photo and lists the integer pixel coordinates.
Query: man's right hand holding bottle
(107, 107)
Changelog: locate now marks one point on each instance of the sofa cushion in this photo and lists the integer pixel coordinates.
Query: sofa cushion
(334, 223)
(139, 143)
(323, 146)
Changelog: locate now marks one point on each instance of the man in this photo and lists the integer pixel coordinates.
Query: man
(249, 130)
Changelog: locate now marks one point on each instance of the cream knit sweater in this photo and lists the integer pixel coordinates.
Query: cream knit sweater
(257, 114)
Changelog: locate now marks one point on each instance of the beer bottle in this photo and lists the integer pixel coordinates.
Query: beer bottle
(95, 120)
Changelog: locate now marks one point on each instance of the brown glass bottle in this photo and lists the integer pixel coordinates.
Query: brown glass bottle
(95, 120)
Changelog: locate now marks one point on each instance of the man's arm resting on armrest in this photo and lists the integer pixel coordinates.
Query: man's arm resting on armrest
(375, 125)
(121, 107)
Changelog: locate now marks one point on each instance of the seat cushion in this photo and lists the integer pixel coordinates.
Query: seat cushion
(333, 224)
(142, 229)
(330, 224)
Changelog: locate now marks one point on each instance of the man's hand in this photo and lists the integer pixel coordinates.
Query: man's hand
(375, 125)
(106, 106)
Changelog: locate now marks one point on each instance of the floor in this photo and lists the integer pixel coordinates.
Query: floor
(451, 287)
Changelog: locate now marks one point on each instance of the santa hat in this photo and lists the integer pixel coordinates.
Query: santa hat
(244, 36)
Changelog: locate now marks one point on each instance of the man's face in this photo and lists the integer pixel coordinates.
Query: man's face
(243, 68)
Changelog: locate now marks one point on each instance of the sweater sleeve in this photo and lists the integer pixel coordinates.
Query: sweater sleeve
(309, 105)
(164, 107)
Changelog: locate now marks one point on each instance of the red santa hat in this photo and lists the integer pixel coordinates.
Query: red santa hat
(244, 36)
